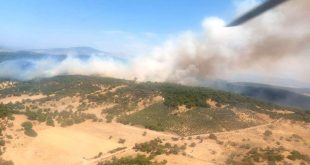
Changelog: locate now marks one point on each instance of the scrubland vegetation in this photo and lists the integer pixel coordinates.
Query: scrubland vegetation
(196, 121)
(64, 118)
(129, 160)
(127, 97)
(183, 111)
(5, 112)
(266, 155)
(158, 147)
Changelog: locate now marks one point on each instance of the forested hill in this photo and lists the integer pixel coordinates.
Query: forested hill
(293, 97)
(184, 110)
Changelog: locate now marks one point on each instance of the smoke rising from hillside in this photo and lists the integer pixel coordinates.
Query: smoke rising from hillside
(275, 44)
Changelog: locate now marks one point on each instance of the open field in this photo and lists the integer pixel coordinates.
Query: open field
(79, 144)
(73, 145)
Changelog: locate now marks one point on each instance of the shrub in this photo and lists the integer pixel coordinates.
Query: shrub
(129, 160)
(121, 141)
(31, 115)
(9, 136)
(50, 122)
(152, 147)
(98, 156)
(267, 133)
(31, 133)
(116, 150)
(295, 155)
(212, 136)
(67, 122)
(245, 146)
(109, 118)
(192, 144)
(155, 147)
(259, 155)
(28, 129)
(175, 138)
(5, 111)
(11, 117)
(2, 142)
(27, 125)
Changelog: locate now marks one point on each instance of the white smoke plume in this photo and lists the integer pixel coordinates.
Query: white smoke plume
(276, 44)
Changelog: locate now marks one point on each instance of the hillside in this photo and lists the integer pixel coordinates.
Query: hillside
(72, 50)
(286, 96)
(102, 109)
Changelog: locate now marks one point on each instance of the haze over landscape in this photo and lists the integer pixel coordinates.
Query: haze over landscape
(153, 83)
(211, 52)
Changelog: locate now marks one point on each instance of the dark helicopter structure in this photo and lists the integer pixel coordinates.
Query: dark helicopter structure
(267, 5)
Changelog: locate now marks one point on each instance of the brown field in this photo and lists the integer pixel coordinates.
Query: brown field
(79, 144)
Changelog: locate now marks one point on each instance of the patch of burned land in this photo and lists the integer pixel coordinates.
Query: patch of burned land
(155, 123)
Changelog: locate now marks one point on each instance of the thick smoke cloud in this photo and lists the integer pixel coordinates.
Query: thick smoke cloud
(275, 44)
(25, 69)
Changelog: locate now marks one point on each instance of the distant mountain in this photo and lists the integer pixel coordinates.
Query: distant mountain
(287, 96)
(288, 83)
(275, 81)
(22, 65)
(301, 91)
(59, 54)
(69, 51)
(4, 49)
(25, 55)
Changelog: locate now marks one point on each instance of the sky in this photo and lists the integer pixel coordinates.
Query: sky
(181, 41)
(103, 24)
